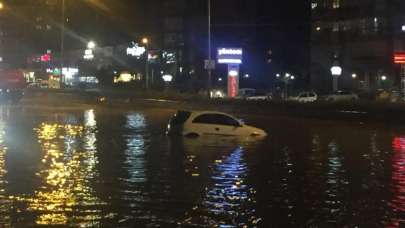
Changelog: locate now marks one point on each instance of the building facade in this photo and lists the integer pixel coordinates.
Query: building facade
(359, 36)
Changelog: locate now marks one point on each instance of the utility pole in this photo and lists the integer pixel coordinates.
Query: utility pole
(209, 49)
(62, 42)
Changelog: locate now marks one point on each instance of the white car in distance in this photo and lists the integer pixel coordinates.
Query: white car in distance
(305, 97)
(341, 96)
(199, 123)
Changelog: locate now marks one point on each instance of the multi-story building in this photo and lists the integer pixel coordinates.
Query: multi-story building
(359, 36)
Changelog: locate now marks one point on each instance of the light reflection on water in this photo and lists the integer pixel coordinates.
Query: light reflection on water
(397, 203)
(5, 204)
(229, 199)
(65, 195)
(100, 170)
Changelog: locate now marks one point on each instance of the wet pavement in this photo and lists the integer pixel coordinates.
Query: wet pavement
(98, 168)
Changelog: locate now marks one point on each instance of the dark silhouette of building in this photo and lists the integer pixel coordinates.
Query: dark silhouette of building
(359, 36)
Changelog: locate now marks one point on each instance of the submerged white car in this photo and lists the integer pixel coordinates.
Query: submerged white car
(200, 123)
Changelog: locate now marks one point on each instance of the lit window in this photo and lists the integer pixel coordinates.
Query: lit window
(336, 4)
(375, 24)
(314, 5)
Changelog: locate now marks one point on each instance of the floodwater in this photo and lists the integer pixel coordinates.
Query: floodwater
(98, 168)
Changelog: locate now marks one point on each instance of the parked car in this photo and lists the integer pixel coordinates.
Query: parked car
(245, 92)
(260, 97)
(305, 97)
(199, 123)
(341, 96)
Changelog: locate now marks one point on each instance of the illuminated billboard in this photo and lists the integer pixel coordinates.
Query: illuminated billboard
(230, 55)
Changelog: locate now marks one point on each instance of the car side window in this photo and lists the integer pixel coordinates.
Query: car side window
(216, 119)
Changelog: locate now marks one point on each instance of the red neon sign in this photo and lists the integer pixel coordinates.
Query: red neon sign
(232, 86)
(46, 58)
(399, 57)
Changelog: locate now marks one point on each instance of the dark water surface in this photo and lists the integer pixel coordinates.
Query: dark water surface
(97, 168)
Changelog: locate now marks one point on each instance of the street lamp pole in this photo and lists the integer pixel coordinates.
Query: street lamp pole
(209, 48)
(145, 41)
(62, 42)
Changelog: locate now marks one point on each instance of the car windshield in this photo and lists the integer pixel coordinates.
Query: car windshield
(180, 117)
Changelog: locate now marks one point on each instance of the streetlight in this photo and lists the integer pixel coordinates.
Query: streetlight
(1, 6)
(336, 71)
(145, 41)
(91, 45)
(384, 78)
(354, 75)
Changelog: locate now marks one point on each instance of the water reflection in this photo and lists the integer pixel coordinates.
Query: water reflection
(397, 203)
(135, 153)
(229, 201)
(5, 204)
(65, 195)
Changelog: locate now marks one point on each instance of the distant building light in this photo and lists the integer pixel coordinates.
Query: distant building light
(277, 75)
(318, 28)
(314, 5)
(292, 77)
(354, 75)
(167, 78)
(220, 79)
(233, 73)
(246, 76)
(383, 77)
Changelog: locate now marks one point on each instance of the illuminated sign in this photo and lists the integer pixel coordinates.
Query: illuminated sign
(233, 80)
(88, 54)
(46, 58)
(399, 57)
(136, 51)
(230, 55)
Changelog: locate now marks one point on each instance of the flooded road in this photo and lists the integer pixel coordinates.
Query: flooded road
(97, 168)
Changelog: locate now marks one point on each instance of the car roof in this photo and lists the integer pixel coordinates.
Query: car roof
(195, 113)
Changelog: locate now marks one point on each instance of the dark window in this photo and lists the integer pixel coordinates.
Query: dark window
(180, 118)
(216, 119)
